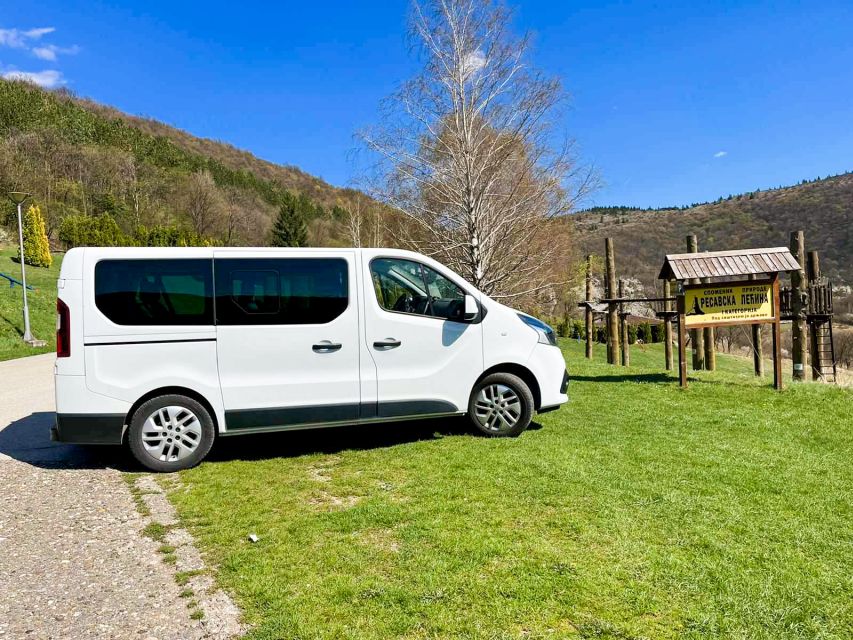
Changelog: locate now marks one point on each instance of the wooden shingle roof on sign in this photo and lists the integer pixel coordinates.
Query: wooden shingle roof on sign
(728, 264)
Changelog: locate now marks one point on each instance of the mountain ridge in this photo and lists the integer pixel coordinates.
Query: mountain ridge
(822, 208)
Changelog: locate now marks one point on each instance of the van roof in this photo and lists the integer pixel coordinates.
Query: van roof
(72, 264)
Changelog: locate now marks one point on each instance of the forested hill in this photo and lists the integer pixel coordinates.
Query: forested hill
(823, 209)
(82, 158)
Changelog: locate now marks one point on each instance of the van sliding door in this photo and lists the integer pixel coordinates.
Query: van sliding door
(287, 338)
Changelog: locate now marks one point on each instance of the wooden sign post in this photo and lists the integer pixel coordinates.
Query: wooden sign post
(724, 304)
(724, 288)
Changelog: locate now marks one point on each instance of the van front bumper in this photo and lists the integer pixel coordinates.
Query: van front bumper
(88, 428)
(548, 365)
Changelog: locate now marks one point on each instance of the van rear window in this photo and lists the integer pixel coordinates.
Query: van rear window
(155, 292)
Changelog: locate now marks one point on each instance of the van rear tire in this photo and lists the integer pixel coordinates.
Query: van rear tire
(501, 405)
(170, 433)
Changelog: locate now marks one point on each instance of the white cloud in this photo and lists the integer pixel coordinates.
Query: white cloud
(51, 51)
(720, 154)
(19, 39)
(474, 61)
(49, 78)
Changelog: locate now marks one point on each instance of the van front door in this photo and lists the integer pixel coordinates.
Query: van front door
(427, 358)
(287, 338)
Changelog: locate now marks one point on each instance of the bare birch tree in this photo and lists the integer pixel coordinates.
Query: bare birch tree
(465, 150)
(203, 202)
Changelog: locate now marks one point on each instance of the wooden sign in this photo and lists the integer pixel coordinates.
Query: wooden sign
(728, 303)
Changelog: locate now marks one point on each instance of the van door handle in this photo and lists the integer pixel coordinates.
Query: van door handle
(326, 346)
(387, 343)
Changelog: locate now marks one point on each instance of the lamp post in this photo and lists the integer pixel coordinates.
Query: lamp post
(18, 197)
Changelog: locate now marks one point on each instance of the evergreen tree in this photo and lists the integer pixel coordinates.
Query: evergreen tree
(36, 247)
(289, 229)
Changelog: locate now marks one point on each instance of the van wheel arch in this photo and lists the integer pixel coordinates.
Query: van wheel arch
(522, 372)
(164, 391)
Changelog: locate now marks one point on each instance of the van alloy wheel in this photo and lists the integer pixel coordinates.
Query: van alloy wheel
(498, 408)
(501, 405)
(171, 433)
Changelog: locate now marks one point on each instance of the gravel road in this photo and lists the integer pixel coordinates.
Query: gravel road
(73, 562)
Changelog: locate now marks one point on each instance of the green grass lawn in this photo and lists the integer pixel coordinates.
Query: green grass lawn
(42, 303)
(636, 511)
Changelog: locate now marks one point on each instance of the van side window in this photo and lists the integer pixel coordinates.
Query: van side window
(280, 290)
(155, 292)
(406, 286)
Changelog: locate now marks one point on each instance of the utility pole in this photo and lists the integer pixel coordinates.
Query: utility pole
(798, 326)
(18, 197)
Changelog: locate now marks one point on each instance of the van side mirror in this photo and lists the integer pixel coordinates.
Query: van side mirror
(472, 309)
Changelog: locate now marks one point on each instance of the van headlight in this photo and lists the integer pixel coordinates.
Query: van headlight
(546, 333)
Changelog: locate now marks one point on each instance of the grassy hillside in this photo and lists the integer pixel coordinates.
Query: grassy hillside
(26, 108)
(82, 159)
(823, 209)
(42, 303)
(636, 511)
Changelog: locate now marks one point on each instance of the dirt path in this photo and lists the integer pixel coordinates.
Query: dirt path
(73, 562)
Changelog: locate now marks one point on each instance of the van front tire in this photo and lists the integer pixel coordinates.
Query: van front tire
(501, 405)
(170, 433)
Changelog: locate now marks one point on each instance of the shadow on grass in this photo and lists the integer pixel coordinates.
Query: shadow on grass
(627, 377)
(12, 324)
(28, 440)
(290, 444)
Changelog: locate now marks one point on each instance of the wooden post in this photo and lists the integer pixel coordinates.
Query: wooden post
(798, 326)
(814, 329)
(696, 335)
(710, 349)
(667, 325)
(757, 347)
(623, 325)
(612, 308)
(682, 344)
(589, 317)
(777, 336)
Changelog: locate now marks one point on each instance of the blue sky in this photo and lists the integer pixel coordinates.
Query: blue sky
(674, 102)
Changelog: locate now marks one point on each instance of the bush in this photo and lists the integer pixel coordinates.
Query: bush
(36, 247)
(632, 334)
(91, 231)
(103, 231)
(170, 236)
(644, 332)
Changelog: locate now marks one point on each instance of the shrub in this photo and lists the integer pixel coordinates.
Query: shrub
(92, 231)
(169, 236)
(36, 247)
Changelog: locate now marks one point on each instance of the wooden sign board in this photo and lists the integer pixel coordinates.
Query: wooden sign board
(729, 303)
(724, 304)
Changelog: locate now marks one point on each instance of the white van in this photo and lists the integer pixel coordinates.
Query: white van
(168, 348)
